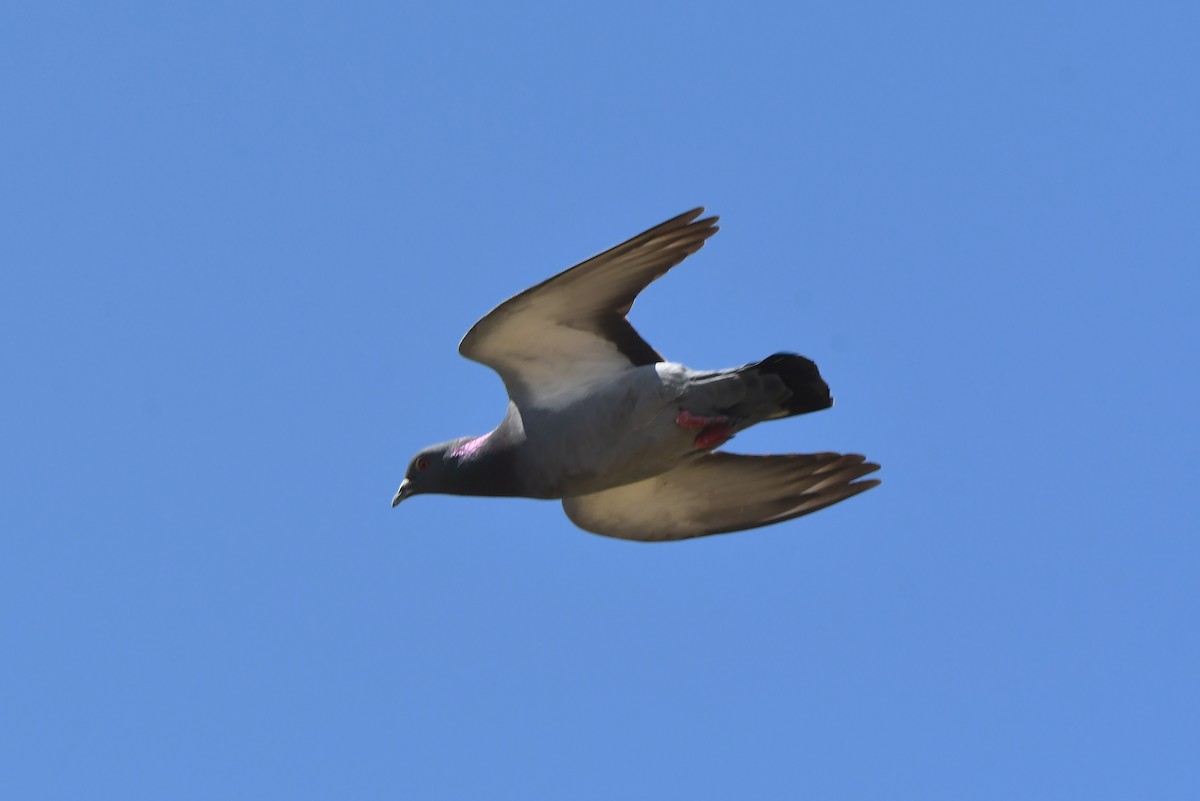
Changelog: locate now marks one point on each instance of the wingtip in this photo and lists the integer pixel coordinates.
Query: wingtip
(866, 469)
(692, 218)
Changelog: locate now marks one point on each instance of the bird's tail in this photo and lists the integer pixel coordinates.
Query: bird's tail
(787, 383)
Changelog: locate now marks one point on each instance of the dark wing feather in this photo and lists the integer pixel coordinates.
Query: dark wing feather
(722, 492)
(550, 341)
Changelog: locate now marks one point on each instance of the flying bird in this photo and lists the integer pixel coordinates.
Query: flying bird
(624, 438)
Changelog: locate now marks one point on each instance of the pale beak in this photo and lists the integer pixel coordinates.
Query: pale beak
(402, 493)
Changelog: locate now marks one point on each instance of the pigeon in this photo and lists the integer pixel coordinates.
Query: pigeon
(624, 438)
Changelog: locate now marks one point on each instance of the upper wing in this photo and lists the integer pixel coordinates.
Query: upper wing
(721, 492)
(552, 340)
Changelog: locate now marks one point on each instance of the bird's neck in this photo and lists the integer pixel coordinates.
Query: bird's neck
(488, 464)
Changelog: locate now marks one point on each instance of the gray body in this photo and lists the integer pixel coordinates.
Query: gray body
(630, 431)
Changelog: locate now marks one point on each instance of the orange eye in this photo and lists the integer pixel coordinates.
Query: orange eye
(422, 463)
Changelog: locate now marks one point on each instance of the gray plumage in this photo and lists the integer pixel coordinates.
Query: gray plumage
(626, 439)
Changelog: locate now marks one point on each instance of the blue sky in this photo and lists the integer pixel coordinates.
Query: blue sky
(241, 243)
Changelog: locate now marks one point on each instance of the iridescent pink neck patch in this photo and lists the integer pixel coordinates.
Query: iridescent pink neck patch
(469, 448)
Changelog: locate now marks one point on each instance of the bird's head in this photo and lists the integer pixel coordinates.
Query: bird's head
(435, 469)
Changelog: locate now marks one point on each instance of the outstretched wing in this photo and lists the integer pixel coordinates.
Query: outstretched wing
(722, 492)
(553, 340)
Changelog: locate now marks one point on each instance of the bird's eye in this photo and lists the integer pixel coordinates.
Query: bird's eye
(422, 463)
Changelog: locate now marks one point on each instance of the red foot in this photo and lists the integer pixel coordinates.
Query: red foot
(713, 436)
(686, 419)
(713, 430)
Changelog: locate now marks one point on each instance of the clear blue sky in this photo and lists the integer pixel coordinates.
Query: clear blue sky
(240, 243)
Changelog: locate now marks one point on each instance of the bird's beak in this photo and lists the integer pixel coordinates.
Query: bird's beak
(402, 493)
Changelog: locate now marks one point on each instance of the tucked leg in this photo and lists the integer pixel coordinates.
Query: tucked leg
(714, 430)
(712, 436)
(686, 419)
